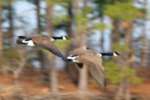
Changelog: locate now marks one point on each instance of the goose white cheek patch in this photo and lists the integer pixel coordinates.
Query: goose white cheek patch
(29, 43)
(100, 55)
(51, 39)
(64, 38)
(115, 54)
(73, 58)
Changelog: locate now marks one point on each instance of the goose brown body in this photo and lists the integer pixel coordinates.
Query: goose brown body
(92, 61)
(46, 43)
(95, 68)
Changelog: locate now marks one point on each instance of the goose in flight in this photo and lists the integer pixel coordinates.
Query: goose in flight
(76, 53)
(92, 60)
(43, 42)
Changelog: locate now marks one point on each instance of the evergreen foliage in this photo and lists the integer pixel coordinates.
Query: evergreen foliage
(122, 11)
(120, 47)
(115, 74)
(10, 59)
(61, 44)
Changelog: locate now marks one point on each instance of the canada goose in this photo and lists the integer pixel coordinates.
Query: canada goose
(42, 41)
(93, 61)
(84, 51)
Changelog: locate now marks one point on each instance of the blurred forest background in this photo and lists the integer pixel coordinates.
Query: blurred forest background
(105, 25)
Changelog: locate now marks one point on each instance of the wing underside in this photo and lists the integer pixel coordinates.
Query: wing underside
(53, 50)
(97, 74)
(95, 69)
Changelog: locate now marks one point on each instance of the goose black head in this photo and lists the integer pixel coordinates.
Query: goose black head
(21, 37)
(53, 38)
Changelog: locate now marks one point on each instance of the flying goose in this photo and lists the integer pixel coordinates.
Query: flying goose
(84, 50)
(92, 60)
(44, 42)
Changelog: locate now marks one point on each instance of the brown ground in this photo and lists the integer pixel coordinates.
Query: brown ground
(31, 85)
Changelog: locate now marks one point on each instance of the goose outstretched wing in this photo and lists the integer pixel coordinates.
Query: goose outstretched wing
(43, 42)
(46, 43)
(95, 68)
(97, 74)
(53, 49)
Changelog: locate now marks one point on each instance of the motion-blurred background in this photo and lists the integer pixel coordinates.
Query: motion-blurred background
(105, 26)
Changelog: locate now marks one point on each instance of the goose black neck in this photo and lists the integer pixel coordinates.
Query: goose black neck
(107, 54)
(57, 38)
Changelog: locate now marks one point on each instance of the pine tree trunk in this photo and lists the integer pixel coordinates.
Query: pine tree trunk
(145, 53)
(70, 20)
(54, 80)
(11, 23)
(127, 92)
(53, 72)
(83, 79)
(1, 34)
(116, 35)
(73, 11)
(119, 94)
(123, 91)
(17, 73)
(129, 43)
(49, 26)
(72, 71)
(80, 41)
(146, 47)
(43, 57)
(37, 2)
(19, 69)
